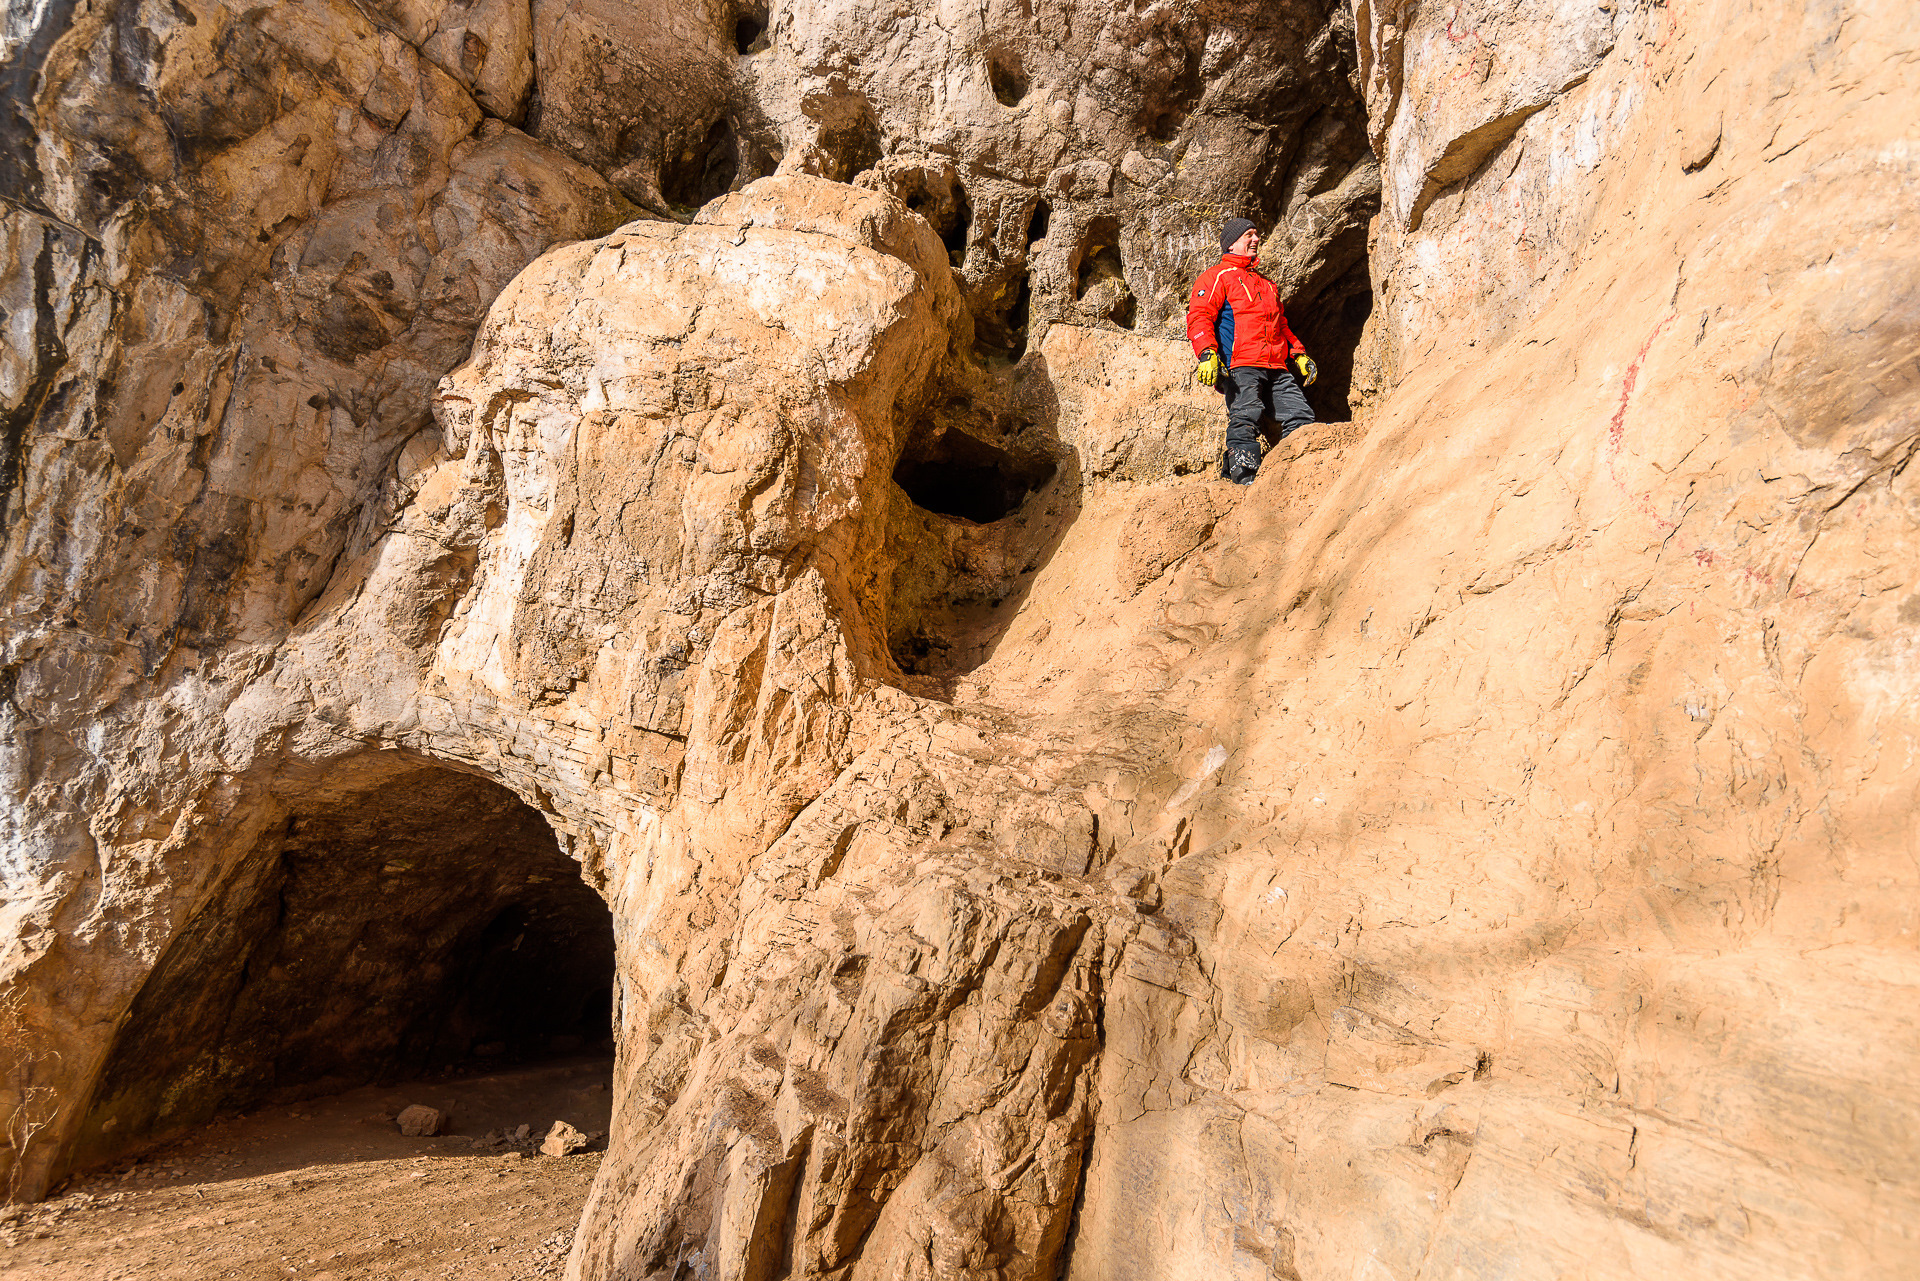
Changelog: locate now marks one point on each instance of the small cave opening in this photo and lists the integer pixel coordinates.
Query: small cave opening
(1162, 125)
(1099, 268)
(749, 30)
(852, 145)
(422, 923)
(1000, 331)
(952, 473)
(1006, 78)
(1098, 258)
(954, 234)
(701, 168)
(983, 505)
(1330, 324)
(940, 198)
(1040, 221)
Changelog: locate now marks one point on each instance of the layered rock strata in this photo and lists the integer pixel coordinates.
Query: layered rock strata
(1484, 846)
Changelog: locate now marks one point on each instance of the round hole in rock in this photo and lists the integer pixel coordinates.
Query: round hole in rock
(852, 145)
(1037, 225)
(701, 169)
(748, 27)
(1102, 264)
(1163, 125)
(954, 474)
(422, 922)
(1006, 79)
(1098, 257)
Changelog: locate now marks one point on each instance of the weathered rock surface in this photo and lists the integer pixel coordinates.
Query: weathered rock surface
(1076, 160)
(562, 1140)
(1482, 847)
(418, 1121)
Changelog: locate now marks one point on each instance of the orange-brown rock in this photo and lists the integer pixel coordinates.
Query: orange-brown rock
(1481, 847)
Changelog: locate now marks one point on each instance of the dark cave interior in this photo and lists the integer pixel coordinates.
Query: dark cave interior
(702, 170)
(955, 474)
(429, 922)
(1329, 325)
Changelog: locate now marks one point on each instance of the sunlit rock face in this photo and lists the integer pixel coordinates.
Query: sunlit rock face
(1075, 160)
(747, 456)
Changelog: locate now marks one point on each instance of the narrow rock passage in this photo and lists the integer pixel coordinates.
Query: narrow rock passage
(329, 1190)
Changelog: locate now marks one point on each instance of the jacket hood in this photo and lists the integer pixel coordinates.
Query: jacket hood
(1238, 260)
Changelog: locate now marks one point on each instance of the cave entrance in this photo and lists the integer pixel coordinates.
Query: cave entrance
(940, 197)
(425, 923)
(1330, 324)
(954, 474)
(701, 169)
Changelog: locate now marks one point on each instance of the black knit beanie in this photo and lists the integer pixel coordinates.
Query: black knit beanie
(1235, 228)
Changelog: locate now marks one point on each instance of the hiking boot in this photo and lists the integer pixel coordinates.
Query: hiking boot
(1240, 465)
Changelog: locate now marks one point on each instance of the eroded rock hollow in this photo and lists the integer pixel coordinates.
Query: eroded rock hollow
(693, 521)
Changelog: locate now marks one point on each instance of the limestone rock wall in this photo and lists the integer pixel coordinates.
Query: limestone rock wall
(1546, 897)
(241, 246)
(1484, 845)
(1076, 160)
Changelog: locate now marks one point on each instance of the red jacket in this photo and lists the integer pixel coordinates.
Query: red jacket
(1235, 308)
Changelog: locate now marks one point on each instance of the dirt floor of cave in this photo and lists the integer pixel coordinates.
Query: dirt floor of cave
(329, 1190)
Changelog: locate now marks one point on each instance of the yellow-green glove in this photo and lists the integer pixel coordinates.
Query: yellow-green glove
(1304, 369)
(1210, 368)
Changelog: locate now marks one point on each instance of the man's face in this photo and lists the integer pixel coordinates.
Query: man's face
(1248, 245)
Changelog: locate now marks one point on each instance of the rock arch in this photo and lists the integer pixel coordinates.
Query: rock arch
(391, 924)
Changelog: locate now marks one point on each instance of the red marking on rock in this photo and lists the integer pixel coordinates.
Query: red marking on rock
(1705, 557)
(1474, 55)
(1617, 434)
(1618, 431)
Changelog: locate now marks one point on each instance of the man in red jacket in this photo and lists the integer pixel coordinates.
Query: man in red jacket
(1239, 331)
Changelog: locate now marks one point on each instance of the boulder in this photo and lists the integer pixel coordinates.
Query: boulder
(418, 1121)
(563, 1140)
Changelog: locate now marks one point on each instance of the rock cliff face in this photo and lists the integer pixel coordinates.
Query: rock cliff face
(1483, 847)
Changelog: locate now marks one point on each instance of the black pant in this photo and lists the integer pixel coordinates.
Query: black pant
(1254, 393)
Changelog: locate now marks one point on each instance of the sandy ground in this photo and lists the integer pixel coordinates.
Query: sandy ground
(329, 1190)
